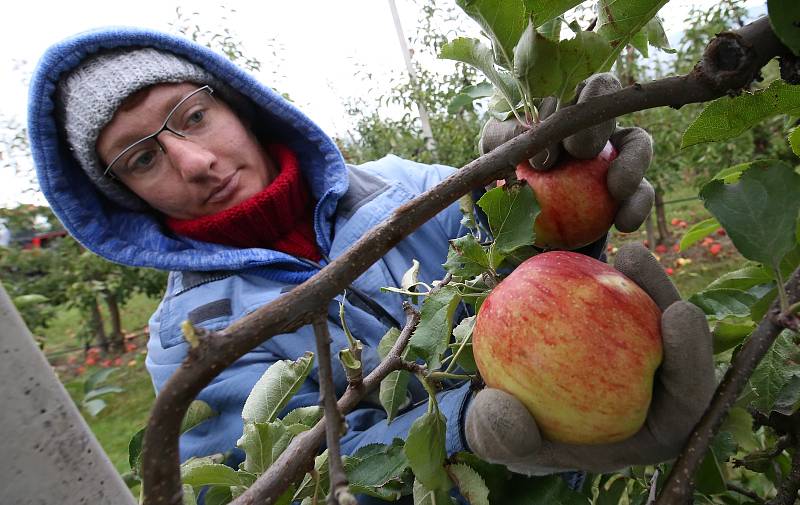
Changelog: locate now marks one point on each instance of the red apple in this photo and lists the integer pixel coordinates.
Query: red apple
(575, 341)
(577, 208)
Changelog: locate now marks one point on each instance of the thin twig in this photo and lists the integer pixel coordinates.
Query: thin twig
(334, 422)
(787, 493)
(731, 62)
(289, 467)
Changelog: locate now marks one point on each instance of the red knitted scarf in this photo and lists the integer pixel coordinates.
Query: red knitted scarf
(279, 217)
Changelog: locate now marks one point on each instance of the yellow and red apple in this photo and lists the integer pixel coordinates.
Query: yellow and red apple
(577, 208)
(576, 342)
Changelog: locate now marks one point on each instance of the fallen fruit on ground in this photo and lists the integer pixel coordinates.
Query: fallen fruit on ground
(577, 208)
(575, 341)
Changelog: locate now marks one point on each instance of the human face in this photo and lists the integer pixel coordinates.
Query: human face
(203, 177)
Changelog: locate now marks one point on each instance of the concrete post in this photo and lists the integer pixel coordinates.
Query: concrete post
(49, 455)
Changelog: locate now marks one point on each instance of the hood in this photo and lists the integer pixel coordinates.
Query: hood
(139, 238)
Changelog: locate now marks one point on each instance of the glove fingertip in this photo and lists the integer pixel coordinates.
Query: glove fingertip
(637, 263)
(499, 428)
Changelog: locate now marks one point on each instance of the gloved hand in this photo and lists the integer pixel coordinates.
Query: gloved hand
(500, 429)
(626, 181)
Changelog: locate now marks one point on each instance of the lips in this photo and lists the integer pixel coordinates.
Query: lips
(225, 190)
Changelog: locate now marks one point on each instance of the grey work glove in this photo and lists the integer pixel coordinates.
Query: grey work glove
(500, 429)
(626, 181)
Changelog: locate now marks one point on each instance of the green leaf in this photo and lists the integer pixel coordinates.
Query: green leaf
(709, 477)
(776, 370)
(307, 416)
(744, 278)
(188, 495)
(652, 34)
(425, 449)
(470, 484)
(466, 257)
(788, 400)
(94, 393)
(94, 407)
(760, 211)
(699, 231)
(197, 412)
(722, 303)
(378, 470)
(205, 472)
(306, 488)
(348, 359)
(135, 452)
(552, 29)
(551, 490)
(387, 342)
(794, 140)
(582, 56)
(545, 10)
(425, 496)
(218, 495)
(26, 300)
(462, 332)
(432, 334)
(619, 20)
(392, 394)
(503, 22)
(728, 335)
(410, 279)
(97, 378)
(739, 422)
(262, 443)
(511, 213)
(474, 53)
(275, 388)
(784, 16)
(728, 117)
(536, 64)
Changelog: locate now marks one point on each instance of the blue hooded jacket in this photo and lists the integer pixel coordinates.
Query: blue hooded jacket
(213, 285)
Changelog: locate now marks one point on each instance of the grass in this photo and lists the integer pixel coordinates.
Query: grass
(125, 412)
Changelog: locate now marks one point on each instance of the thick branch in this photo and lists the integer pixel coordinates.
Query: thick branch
(680, 484)
(294, 461)
(720, 72)
(334, 423)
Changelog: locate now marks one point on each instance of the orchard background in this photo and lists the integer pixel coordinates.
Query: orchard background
(89, 316)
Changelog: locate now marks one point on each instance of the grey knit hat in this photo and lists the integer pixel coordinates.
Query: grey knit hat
(90, 94)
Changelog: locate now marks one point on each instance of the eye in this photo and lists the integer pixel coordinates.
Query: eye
(141, 161)
(195, 117)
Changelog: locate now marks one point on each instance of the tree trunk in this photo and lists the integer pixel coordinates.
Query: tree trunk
(661, 218)
(651, 236)
(97, 326)
(116, 339)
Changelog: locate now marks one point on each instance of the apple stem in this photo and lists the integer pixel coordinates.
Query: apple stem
(447, 375)
(795, 307)
(433, 405)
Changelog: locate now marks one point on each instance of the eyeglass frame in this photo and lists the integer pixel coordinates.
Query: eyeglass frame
(154, 135)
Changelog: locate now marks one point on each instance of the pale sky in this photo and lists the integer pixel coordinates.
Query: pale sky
(310, 49)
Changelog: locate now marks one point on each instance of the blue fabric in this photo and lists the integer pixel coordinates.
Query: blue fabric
(251, 277)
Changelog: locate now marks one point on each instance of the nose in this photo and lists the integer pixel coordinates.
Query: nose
(192, 161)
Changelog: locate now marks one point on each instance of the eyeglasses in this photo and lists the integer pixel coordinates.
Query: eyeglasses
(193, 118)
